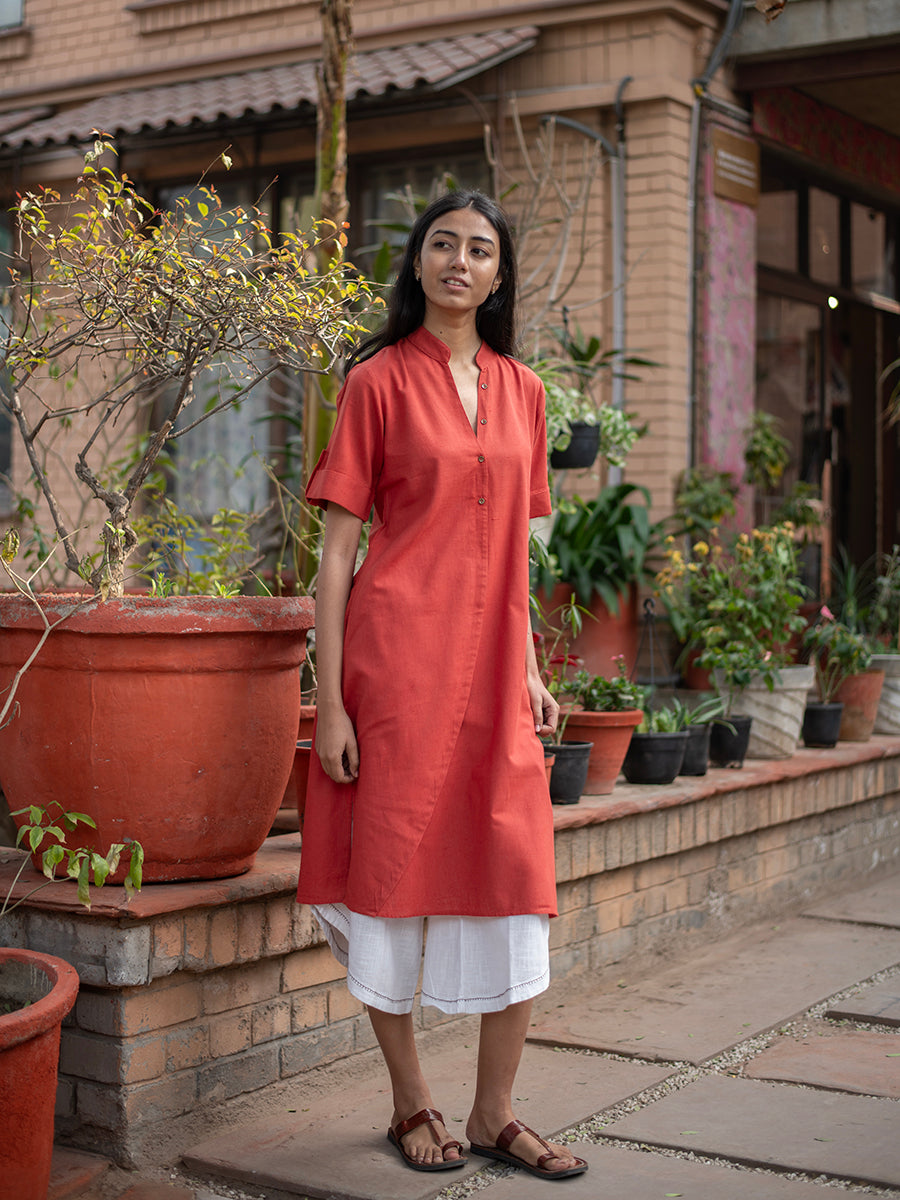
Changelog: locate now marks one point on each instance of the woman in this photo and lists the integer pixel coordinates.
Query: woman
(427, 795)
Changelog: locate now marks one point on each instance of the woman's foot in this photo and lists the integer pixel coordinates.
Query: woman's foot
(424, 1142)
(520, 1146)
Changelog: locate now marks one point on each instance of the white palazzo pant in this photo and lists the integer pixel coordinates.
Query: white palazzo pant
(471, 964)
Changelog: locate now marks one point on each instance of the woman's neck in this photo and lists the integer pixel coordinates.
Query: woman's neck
(461, 336)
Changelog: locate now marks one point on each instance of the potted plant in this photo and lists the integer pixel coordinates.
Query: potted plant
(37, 991)
(836, 652)
(697, 718)
(568, 773)
(152, 311)
(657, 747)
(739, 607)
(883, 625)
(599, 549)
(605, 710)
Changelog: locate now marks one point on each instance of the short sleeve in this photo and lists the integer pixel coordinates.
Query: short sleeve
(349, 467)
(539, 501)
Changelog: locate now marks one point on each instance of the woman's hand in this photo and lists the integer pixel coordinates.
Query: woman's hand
(336, 746)
(543, 707)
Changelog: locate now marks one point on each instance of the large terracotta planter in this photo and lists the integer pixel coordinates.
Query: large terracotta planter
(860, 695)
(777, 714)
(29, 1061)
(887, 719)
(605, 636)
(609, 734)
(171, 721)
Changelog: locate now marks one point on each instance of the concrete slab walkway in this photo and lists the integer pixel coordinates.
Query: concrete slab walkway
(729, 1074)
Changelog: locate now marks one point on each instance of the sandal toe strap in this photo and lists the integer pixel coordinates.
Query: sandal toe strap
(424, 1116)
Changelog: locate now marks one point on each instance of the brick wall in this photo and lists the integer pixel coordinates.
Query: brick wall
(198, 994)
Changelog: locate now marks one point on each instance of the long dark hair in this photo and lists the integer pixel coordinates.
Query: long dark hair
(496, 317)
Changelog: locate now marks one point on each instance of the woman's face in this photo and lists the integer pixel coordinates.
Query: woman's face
(459, 262)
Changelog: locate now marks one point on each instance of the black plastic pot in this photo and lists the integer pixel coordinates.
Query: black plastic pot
(568, 775)
(655, 757)
(696, 754)
(728, 746)
(582, 449)
(822, 724)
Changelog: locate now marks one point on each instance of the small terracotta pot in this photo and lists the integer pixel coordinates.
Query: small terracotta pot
(860, 695)
(609, 734)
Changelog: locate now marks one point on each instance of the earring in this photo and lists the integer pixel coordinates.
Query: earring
(494, 288)
(418, 276)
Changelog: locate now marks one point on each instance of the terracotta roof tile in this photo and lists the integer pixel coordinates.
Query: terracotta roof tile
(433, 65)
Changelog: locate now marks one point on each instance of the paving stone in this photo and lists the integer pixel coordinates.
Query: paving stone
(338, 1148)
(877, 1005)
(847, 1060)
(876, 905)
(773, 1125)
(645, 1175)
(714, 999)
(72, 1171)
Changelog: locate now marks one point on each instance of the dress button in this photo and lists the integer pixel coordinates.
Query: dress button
(481, 458)
(481, 499)
(484, 387)
(483, 421)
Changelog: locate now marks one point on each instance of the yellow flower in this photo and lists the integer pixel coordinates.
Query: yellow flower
(701, 549)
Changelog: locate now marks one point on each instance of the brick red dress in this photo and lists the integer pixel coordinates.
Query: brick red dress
(450, 814)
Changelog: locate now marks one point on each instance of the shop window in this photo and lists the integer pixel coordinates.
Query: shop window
(11, 13)
(383, 209)
(777, 229)
(872, 252)
(824, 237)
(217, 465)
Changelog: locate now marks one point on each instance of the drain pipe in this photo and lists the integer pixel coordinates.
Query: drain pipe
(616, 155)
(699, 87)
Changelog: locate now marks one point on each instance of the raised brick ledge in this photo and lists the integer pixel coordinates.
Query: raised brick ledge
(630, 799)
(275, 871)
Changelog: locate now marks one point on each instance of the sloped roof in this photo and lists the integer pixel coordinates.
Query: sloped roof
(431, 66)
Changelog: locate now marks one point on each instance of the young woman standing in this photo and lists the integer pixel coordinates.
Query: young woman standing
(427, 795)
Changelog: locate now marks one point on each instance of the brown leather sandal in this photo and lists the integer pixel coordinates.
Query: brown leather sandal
(501, 1152)
(429, 1116)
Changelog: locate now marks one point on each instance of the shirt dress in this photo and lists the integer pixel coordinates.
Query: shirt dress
(450, 814)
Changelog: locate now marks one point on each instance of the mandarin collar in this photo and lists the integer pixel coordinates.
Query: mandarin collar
(425, 341)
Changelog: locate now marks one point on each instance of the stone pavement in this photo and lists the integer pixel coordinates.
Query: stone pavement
(763, 1066)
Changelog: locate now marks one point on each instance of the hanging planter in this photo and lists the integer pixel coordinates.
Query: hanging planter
(582, 449)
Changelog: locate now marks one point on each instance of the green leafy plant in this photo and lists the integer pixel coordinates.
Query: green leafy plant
(45, 834)
(661, 720)
(151, 311)
(567, 405)
(704, 498)
(883, 613)
(600, 546)
(738, 605)
(601, 693)
(559, 629)
(835, 651)
(766, 453)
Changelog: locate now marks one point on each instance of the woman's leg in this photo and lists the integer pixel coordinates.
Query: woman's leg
(499, 1053)
(394, 1032)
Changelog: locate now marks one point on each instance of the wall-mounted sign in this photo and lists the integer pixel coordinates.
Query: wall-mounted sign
(735, 166)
